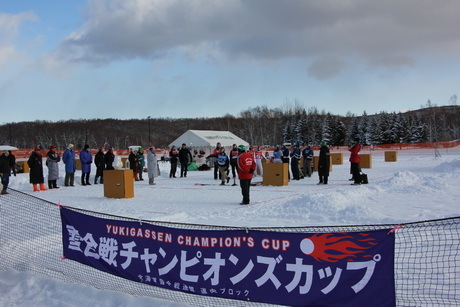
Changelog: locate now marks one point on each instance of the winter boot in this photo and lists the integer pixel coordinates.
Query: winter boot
(95, 180)
(42, 187)
(50, 184)
(36, 189)
(55, 184)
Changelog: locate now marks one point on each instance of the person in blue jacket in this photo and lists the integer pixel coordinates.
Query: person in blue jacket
(307, 154)
(86, 158)
(69, 160)
(223, 163)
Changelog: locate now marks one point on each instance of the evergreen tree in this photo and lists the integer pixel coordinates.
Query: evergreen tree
(353, 130)
(326, 134)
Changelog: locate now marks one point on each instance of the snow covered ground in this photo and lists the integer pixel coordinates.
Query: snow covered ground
(419, 186)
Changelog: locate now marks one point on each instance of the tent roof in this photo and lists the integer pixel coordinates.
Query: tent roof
(205, 138)
(7, 147)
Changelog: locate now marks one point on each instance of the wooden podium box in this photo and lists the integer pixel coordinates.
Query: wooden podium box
(118, 183)
(391, 156)
(366, 161)
(275, 174)
(24, 166)
(337, 158)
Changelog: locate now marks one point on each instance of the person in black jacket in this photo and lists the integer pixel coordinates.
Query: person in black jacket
(173, 157)
(285, 158)
(35, 163)
(5, 170)
(12, 162)
(99, 160)
(295, 157)
(134, 163)
(185, 157)
(324, 163)
(109, 157)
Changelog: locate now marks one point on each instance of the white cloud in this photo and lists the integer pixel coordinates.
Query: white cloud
(9, 30)
(387, 33)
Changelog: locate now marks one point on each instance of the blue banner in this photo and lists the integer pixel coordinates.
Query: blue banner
(295, 269)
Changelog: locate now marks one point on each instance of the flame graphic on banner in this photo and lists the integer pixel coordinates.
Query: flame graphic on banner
(329, 247)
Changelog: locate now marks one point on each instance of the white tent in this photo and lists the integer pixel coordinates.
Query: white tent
(7, 147)
(208, 138)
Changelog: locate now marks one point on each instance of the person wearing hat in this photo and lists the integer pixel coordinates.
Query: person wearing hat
(324, 163)
(295, 155)
(134, 163)
(52, 160)
(285, 158)
(86, 158)
(35, 163)
(307, 154)
(185, 158)
(5, 170)
(223, 162)
(141, 159)
(68, 157)
(233, 155)
(109, 158)
(152, 165)
(100, 165)
(217, 174)
(246, 168)
(355, 159)
(258, 157)
(12, 162)
(173, 157)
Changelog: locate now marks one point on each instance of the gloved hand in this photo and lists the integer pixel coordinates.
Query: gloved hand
(251, 171)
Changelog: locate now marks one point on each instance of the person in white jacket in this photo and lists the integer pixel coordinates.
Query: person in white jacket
(152, 165)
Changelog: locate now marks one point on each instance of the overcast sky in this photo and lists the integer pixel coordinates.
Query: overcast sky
(74, 59)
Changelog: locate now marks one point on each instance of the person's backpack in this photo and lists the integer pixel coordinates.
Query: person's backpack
(364, 178)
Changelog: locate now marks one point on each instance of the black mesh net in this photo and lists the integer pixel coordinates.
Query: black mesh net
(427, 257)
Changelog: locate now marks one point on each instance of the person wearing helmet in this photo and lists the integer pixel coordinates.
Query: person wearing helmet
(246, 168)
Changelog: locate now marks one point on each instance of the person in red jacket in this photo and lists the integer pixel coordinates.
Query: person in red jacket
(355, 158)
(246, 168)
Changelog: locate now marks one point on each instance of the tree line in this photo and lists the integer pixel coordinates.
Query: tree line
(258, 126)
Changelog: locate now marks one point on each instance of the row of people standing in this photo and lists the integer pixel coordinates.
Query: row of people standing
(137, 164)
(224, 163)
(35, 163)
(282, 154)
(103, 161)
